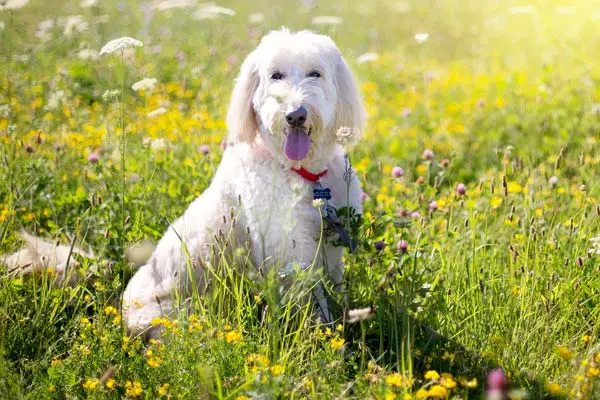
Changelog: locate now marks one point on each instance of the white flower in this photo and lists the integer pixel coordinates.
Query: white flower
(55, 100)
(88, 3)
(596, 108)
(327, 20)
(421, 37)
(12, 4)
(169, 4)
(212, 11)
(44, 29)
(345, 136)
(256, 18)
(367, 57)
(110, 94)
(5, 110)
(553, 181)
(120, 44)
(596, 245)
(359, 314)
(158, 111)
(144, 84)
(75, 24)
(88, 54)
(529, 9)
(318, 203)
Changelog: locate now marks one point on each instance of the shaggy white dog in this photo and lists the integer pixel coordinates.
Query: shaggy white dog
(292, 96)
(293, 106)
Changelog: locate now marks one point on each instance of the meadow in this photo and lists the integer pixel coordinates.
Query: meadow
(477, 272)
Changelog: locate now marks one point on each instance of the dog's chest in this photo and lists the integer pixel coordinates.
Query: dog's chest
(284, 226)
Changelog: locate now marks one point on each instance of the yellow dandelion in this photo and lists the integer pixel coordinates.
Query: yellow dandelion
(593, 371)
(154, 362)
(55, 362)
(111, 383)
(90, 383)
(52, 388)
(233, 337)
(277, 370)
(564, 352)
(472, 384)
(110, 310)
(496, 201)
(422, 394)
(553, 388)
(337, 343)
(397, 380)
(389, 395)
(133, 389)
(162, 390)
(597, 357)
(242, 397)
(438, 392)
(586, 338)
(432, 375)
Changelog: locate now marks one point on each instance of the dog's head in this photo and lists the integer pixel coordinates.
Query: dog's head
(296, 91)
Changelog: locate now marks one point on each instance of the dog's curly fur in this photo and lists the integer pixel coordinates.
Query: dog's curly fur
(276, 203)
(255, 184)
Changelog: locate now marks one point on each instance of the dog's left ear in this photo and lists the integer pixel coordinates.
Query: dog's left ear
(241, 118)
(350, 109)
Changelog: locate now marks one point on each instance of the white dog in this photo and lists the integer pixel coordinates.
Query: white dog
(293, 105)
(292, 96)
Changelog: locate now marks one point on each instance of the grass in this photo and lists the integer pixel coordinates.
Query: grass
(507, 102)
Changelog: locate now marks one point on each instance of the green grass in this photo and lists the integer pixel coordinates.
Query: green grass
(504, 273)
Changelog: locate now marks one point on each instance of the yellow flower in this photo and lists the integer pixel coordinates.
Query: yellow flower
(586, 338)
(55, 362)
(564, 352)
(448, 382)
(110, 383)
(421, 169)
(90, 383)
(277, 370)
(438, 392)
(52, 388)
(110, 310)
(337, 343)
(496, 201)
(398, 381)
(472, 384)
(553, 388)
(432, 375)
(592, 371)
(162, 390)
(242, 397)
(516, 291)
(233, 336)
(133, 389)
(154, 362)
(597, 358)
(514, 187)
(422, 393)
(389, 396)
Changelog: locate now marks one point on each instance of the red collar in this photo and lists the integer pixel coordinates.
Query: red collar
(309, 176)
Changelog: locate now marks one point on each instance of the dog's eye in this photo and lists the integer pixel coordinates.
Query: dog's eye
(314, 74)
(277, 76)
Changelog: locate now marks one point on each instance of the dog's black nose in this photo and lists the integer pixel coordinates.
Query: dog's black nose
(296, 117)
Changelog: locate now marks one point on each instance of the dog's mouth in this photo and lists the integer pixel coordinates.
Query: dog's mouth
(297, 142)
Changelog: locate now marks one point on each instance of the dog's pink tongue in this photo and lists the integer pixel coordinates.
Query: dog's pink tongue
(297, 143)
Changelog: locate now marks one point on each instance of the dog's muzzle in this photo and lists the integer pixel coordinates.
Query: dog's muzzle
(297, 139)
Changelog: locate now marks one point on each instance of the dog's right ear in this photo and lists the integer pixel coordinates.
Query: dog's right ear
(241, 118)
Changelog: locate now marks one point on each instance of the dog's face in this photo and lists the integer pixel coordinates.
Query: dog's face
(296, 91)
